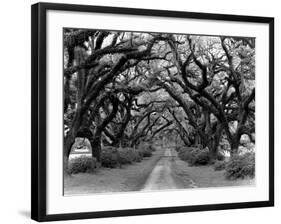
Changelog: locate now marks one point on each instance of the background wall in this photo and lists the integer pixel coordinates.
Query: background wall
(15, 110)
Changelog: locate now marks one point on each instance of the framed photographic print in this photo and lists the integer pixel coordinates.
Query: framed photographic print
(139, 111)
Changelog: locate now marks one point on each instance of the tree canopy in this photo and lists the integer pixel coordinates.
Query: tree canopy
(126, 88)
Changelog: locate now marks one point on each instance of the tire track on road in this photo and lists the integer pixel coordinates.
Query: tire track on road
(163, 175)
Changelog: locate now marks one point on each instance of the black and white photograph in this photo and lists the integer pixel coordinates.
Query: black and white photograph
(148, 111)
(140, 112)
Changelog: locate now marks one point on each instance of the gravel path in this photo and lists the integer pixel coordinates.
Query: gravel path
(165, 175)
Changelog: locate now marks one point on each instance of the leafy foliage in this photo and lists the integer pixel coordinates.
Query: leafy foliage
(219, 165)
(82, 164)
(112, 157)
(109, 157)
(145, 152)
(128, 155)
(178, 148)
(241, 166)
(220, 156)
(195, 156)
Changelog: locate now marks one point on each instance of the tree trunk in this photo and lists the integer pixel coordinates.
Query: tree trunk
(96, 147)
(68, 143)
(214, 143)
(234, 146)
(197, 140)
(71, 135)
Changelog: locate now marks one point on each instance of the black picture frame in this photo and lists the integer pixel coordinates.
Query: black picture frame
(39, 107)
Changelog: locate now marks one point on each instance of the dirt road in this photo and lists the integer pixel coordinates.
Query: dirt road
(165, 174)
